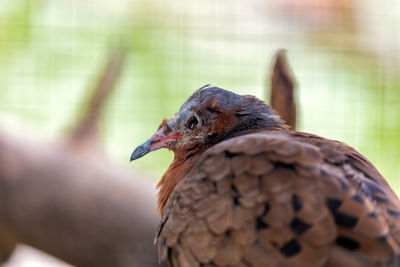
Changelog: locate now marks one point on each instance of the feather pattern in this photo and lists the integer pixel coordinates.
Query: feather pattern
(285, 201)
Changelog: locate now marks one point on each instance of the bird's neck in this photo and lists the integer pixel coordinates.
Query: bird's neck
(175, 172)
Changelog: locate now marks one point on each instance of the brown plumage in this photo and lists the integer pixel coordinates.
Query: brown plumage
(244, 190)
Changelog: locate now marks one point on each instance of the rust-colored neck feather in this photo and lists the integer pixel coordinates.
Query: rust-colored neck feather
(175, 172)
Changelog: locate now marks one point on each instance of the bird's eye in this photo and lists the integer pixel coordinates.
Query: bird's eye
(191, 123)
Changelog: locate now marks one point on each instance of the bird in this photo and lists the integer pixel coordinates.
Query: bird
(245, 190)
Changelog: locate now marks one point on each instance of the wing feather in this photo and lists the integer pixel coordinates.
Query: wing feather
(265, 199)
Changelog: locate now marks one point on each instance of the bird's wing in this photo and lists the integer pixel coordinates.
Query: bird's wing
(361, 174)
(270, 200)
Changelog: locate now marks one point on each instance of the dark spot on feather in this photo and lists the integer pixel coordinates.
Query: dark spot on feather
(341, 219)
(344, 185)
(347, 243)
(236, 201)
(169, 256)
(333, 204)
(284, 165)
(358, 198)
(349, 177)
(366, 191)
(265, 211)
(241, 115)
(380, 199)
(299, 226)
(343, 162)
(372, 190)
(228, 232)
(260, 225)
(229, 155)
(371, 185)
(394, 212)
(325, 173)
(214, 183)
(234, 189)
(291, 248)
(383, 238)
(344, 220)
(296, 203)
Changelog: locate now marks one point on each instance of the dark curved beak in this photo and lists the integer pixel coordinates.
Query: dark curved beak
(162, 138)
(141, 150)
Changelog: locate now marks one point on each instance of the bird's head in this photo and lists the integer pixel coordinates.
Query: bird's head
(209, 116)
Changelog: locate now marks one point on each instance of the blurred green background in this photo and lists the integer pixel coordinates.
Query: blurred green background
(345, 55)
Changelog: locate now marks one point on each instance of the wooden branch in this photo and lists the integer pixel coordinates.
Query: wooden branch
(73, 203)
(87, 213)
(282, 90)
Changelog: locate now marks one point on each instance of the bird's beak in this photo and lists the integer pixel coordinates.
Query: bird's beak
(160, 139)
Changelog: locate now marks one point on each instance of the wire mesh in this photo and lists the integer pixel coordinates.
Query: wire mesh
(344, 54)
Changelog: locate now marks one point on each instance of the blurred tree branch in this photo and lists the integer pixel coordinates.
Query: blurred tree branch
(87, 128)
(281, 90)
(76, 206)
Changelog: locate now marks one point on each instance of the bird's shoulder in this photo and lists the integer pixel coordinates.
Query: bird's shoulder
(339, 154)
(287, 199)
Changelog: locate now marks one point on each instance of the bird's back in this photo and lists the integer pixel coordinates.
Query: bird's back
(281, 199)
